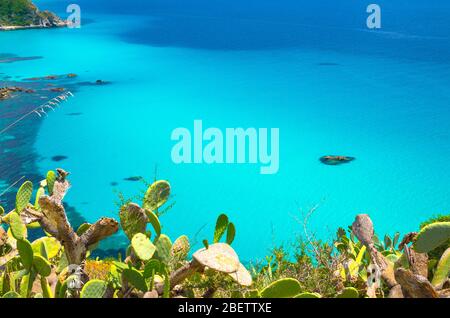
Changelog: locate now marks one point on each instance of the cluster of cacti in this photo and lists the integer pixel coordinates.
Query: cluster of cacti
(406, 270)
(59, 263)
(45, 267)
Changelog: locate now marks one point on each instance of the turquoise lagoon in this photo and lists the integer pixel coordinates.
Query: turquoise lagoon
(330, 86)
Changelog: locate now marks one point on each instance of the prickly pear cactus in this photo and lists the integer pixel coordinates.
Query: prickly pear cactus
(51, 178)
(157, 194)
(142, 247)
(11, 294)
(94, 288)
(26, 253)
(442, 270)
(133, 220)
(163, 247)
(134, 278)
(46, 289)
(349, 292)
(282, 288)
(154, 221)
(432, 236)
(51, 246)
(40, 192)
(231, 233)
(42, 266)
(23, 196)
(308, 295)
(221, 227)
(180, 248)
(18, 229)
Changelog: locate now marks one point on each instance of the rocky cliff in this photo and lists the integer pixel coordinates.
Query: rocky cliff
(17, 14)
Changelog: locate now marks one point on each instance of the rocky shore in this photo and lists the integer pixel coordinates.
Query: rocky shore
(23, 14)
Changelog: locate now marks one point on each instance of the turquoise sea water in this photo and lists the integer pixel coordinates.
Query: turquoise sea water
(316, 73)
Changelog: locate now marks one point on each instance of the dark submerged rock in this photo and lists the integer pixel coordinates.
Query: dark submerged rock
(59, 158)
(137, 178)
(333, 160)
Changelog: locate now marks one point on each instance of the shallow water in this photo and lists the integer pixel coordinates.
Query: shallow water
(330, 86)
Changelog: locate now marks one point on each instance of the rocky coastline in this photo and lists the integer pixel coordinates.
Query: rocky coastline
(25, 15)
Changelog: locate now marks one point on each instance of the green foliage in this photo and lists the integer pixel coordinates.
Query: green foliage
(434, 219)
(282, 288)
(16, 12)
(23, 196)
(315, 269)
(142, 247)
(94, 289)
(432, 236)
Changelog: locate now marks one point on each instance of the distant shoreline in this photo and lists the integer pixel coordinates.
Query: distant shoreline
(28, 27)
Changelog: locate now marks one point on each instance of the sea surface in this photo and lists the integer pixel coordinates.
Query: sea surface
(310, 68)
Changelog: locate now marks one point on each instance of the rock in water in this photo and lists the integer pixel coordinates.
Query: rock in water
(333, 160)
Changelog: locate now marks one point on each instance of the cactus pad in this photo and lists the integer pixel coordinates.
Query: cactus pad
(50, 244)
(94, 289)
(282, 288)
(42, 266)
(11, 294)
(220, 257)
(180, 248)
(432, 236)
(349, 292)
(163, 247)
(26, 253)
(231, 233)
(442, 269)
(51, 178)
(134, 278)
(142, 247)
(156, 195)
(154, 221)
(18, 229)
(23, 196)
(133, 220)
(221, 227)
(308, 295)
